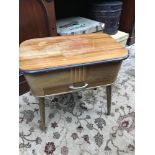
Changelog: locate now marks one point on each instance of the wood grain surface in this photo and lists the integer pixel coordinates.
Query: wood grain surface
(50, 52)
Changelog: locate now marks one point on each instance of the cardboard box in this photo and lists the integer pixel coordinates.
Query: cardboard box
(121, 37)
(78, 25)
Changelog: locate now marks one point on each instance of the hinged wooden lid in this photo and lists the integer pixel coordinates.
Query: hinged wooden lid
(45, 54)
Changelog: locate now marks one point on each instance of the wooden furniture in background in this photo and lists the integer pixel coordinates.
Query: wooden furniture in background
(127, 20)
(58, 65)
(36, 20)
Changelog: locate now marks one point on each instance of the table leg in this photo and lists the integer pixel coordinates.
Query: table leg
(108, 91)
(42, 113)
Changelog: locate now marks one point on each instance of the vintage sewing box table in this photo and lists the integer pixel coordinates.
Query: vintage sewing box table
(63, 64)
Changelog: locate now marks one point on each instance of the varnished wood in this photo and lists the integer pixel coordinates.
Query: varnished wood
(36, 19)
(127, 19)
(108, 91)
(42, 113)
(50, 13)
(43, 53)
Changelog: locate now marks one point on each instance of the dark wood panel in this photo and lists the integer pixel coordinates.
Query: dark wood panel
(50, 12)
(132, 37)
(127, 19)
(36, 19)
(23, 86)
(21, 79)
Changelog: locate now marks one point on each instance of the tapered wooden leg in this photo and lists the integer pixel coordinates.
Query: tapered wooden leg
(108, 90)
(42, 113)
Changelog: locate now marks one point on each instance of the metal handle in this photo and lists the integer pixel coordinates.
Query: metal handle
(76, 88)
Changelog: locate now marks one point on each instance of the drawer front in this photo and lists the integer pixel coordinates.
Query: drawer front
(73, 79)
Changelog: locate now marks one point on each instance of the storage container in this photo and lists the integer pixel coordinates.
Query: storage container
(107, 12)
(78, 25)
(121, 37)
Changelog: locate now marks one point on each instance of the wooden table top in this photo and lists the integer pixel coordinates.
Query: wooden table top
(44, 54)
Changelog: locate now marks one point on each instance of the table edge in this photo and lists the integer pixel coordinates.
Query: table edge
(74, 65)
